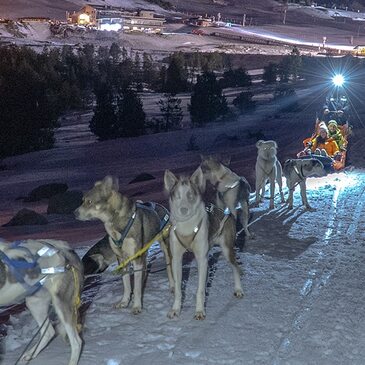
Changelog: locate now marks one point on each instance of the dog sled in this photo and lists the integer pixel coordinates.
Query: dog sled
(331, 164)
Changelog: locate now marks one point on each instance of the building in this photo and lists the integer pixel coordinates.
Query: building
(105, 17)
(359, 50)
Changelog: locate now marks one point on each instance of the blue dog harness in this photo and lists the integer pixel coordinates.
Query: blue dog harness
(21, 268)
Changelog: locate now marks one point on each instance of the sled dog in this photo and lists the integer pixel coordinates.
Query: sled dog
(269, 168)
(129, 226)
(296, 172)
(195, 229)
(232, 191)
(44, 272)
(98, 258)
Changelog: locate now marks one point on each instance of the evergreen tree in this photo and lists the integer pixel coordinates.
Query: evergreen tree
(28, 107)
(131, 118)
(176, 77)
(115, 52)
(103, 123)
(235, 78)
(148, 70)
(244, 101)
(207, 101)
(171, 112)
(270, 73)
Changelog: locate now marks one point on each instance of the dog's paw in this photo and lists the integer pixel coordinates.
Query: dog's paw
(122, 304)
(199, 315)
(27, 357)
(238, 293)
(136, 310)
(173, 313)
(308, 207)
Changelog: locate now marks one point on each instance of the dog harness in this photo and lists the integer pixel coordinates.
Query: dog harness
(21, 268)
(186, 240)
(211, 209)
(229, 187)
(150, 206)
(299, 173)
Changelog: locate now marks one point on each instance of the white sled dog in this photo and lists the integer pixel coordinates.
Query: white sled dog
(233, 191)
(296, 172)
(269, 168)
(44, 272)
(195, 229)
(130, 226)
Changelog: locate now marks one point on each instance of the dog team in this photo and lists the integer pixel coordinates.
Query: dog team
(45, 272)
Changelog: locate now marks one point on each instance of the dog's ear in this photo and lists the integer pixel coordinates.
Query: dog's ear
(197, 178)
(170, 180)
(109, 183)
(259, 143)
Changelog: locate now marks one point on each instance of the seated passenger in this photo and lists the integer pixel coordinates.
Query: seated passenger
(322, 144)
(335, 133)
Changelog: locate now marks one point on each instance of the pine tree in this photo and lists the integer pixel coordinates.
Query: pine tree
(103, 123)
(131, 118)
(270, 73)
(207, 101)
(171, 113)
(176, 77)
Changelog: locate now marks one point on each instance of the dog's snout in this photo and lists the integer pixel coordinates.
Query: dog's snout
(184, 210)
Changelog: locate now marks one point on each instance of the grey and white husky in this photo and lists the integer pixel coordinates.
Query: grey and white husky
(44, 272)
(194, 229)
(232, 191)
(129, 227)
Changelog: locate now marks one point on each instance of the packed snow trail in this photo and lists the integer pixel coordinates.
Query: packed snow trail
(303, 303)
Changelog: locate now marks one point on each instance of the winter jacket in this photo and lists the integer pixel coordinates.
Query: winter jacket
(338, 137)
(330, 146)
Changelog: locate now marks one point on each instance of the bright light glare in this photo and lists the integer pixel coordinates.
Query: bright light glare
(338, 80)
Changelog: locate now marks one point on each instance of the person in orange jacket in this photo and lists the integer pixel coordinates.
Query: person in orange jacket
(322, 144)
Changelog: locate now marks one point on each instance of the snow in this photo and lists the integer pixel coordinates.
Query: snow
(303, 272)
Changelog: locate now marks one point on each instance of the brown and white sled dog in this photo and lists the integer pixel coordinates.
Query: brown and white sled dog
(232, 191)
(194, 229)
(129, 228)
(44, 272)
(269, 168)
(296, 172)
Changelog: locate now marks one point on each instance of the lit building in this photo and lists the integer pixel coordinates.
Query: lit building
(105, 17)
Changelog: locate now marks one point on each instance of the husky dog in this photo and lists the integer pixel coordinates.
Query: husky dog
(44, 272)
(194, 229)
(296, 172)
(233, 191)
(269, 168)
(98, 257)
(129, 227)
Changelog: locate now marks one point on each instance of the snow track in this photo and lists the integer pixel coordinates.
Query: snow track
(303, 303)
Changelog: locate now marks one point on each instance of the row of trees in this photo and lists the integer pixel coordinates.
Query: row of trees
(36, 88)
